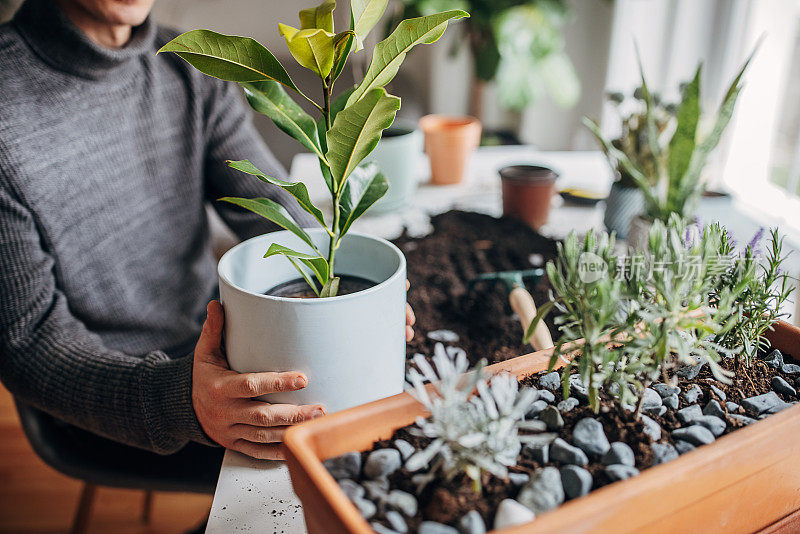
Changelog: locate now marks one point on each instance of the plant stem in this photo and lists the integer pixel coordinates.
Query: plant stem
(327, 88)
(638, 411)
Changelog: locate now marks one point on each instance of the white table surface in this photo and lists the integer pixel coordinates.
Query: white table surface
(256, 496)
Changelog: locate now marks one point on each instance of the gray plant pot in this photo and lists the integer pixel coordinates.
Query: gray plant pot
(397, 156)
(622, 205)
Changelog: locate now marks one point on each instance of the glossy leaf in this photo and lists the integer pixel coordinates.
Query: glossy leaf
(228, 57)
(318, 17)
(270, 99)
(390, 53)
(297, 189)
(365, 187)
(317, 264)
(304, 274)
(330, 288)
(336, 106)
(364, 15)
(357, 130)
(312, 48)
(682, 144)
(271, 210)
(342, 48)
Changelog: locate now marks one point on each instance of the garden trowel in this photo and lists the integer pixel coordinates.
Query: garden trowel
(521, 301)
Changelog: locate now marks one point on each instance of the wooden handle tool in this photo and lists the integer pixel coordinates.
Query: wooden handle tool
(522, 303)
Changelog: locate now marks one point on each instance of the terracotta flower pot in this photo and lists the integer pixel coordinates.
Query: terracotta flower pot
(745, 481)
(528, 192)
(449, 142)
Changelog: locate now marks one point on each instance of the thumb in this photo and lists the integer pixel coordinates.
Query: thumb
(210, 341)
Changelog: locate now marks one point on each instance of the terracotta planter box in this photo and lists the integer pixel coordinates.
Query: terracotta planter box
(745, 481)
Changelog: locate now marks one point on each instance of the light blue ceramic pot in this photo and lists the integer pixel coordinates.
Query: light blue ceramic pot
(397, 156)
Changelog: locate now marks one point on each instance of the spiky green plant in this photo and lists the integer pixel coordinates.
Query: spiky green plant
(348, 127)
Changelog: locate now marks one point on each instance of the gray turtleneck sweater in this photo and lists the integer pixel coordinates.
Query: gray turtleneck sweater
(106, 160)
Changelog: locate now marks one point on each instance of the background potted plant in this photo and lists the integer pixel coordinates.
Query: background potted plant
(396, 156)
(675, 157)
(351, 345)
(528, 193)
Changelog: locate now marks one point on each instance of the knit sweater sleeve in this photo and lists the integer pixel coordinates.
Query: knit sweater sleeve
(49, 359)
(231, 135)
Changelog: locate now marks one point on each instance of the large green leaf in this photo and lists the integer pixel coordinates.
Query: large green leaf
(682, 144)
(365, 187)
(312, 48)
(269, 209)
(228, 57)
(297, 189)
(270, 99)
(336, 106)
(390, 53)
(318, 17)
(364, 15)
(342, 49)
(317, 264)
(356, 130)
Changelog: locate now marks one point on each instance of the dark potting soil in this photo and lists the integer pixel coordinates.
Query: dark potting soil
(440, 267)
(298, 288)
(446, 501)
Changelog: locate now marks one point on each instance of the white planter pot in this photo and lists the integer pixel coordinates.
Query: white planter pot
(639, 232)
(398, 157)
(351, 347)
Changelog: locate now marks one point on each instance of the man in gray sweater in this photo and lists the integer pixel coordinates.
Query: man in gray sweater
(108, 153)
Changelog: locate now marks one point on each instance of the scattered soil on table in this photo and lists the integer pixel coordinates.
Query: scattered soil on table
(440, 267)
(298, 288)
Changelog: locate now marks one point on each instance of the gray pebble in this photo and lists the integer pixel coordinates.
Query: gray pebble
(774, 359)
(382, 463)
(518, 479)
(396, 521)
(352, 489)
(662, 411)
(406, 449)
(377, 490)
(692, 394)
(365, 507)
(651, 428)
(382, 529)
(683, 446)
(651, 401)
(732, 406)
(535, 425)
(790, 368)
(695, 434)
(539, 453)
(536, 408)
(715, 424)
(348, 465)
(537, 440)
(588, 435)
(665, 390)
(561, 451)
(718, 392)
(688, 414)
(568, 404)
(577, 481)
(742, 418)
(544, 492)
(672, 402)
(620, 472)
(443, 336)
(690, 372)
(577, 387)
(511, 513)
(782, 386)
(619, 453)
(472, 523)
(405, 502)
(551, 381)
(663, 453)
(552, 418)
(547, 396)
(767, 403)
(432, 527)
(713, 408)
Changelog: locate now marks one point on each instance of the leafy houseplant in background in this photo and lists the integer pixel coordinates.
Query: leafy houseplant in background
(676, 164)
(327, 337)
(517, 43)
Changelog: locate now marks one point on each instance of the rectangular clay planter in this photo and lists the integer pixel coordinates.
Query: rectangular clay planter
(744, 482)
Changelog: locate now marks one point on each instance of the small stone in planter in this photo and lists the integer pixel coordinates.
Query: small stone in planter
(568, 404)
(690, 413)
(539, 453)
(518, 479)
(382, 463)
(544, 492)
(536, 408)
(551, 381)
(396, 521)
(511, 513)
(718, 392)
(779, 385)
(620, 472)
(663, 453)
(742, 418)
(774, 359)
(619, 453)
(432, 527)
(472, 523)
(732, 406)
(377, 490)
(365, 507)
(348, 465)
(713, 408)
(382, 529)
(662, 411)
(695, 434)
(672, 402)
(665, 390)
(552, 418)
(405, 502)
(790, 368)
(406, 449)
(443, 336)
(535, 425)
(715, 424)
(766, 403)
(683, 446)
(690, 372)
(577, 481)
(561, 451)
(577, 387)
(547, 396)
(588, 435)
(651, 428)
(692, 394)
(352, 489)
(651, 401)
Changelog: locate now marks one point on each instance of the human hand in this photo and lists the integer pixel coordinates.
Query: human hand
(410, 318)
(223, 399)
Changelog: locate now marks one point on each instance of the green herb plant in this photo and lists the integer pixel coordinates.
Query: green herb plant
(349, 124)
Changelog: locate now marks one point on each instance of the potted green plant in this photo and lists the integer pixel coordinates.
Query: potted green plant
(350, 340)
(669, 172)
(646, 414)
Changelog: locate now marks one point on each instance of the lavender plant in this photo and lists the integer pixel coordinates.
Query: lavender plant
(471, 433)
